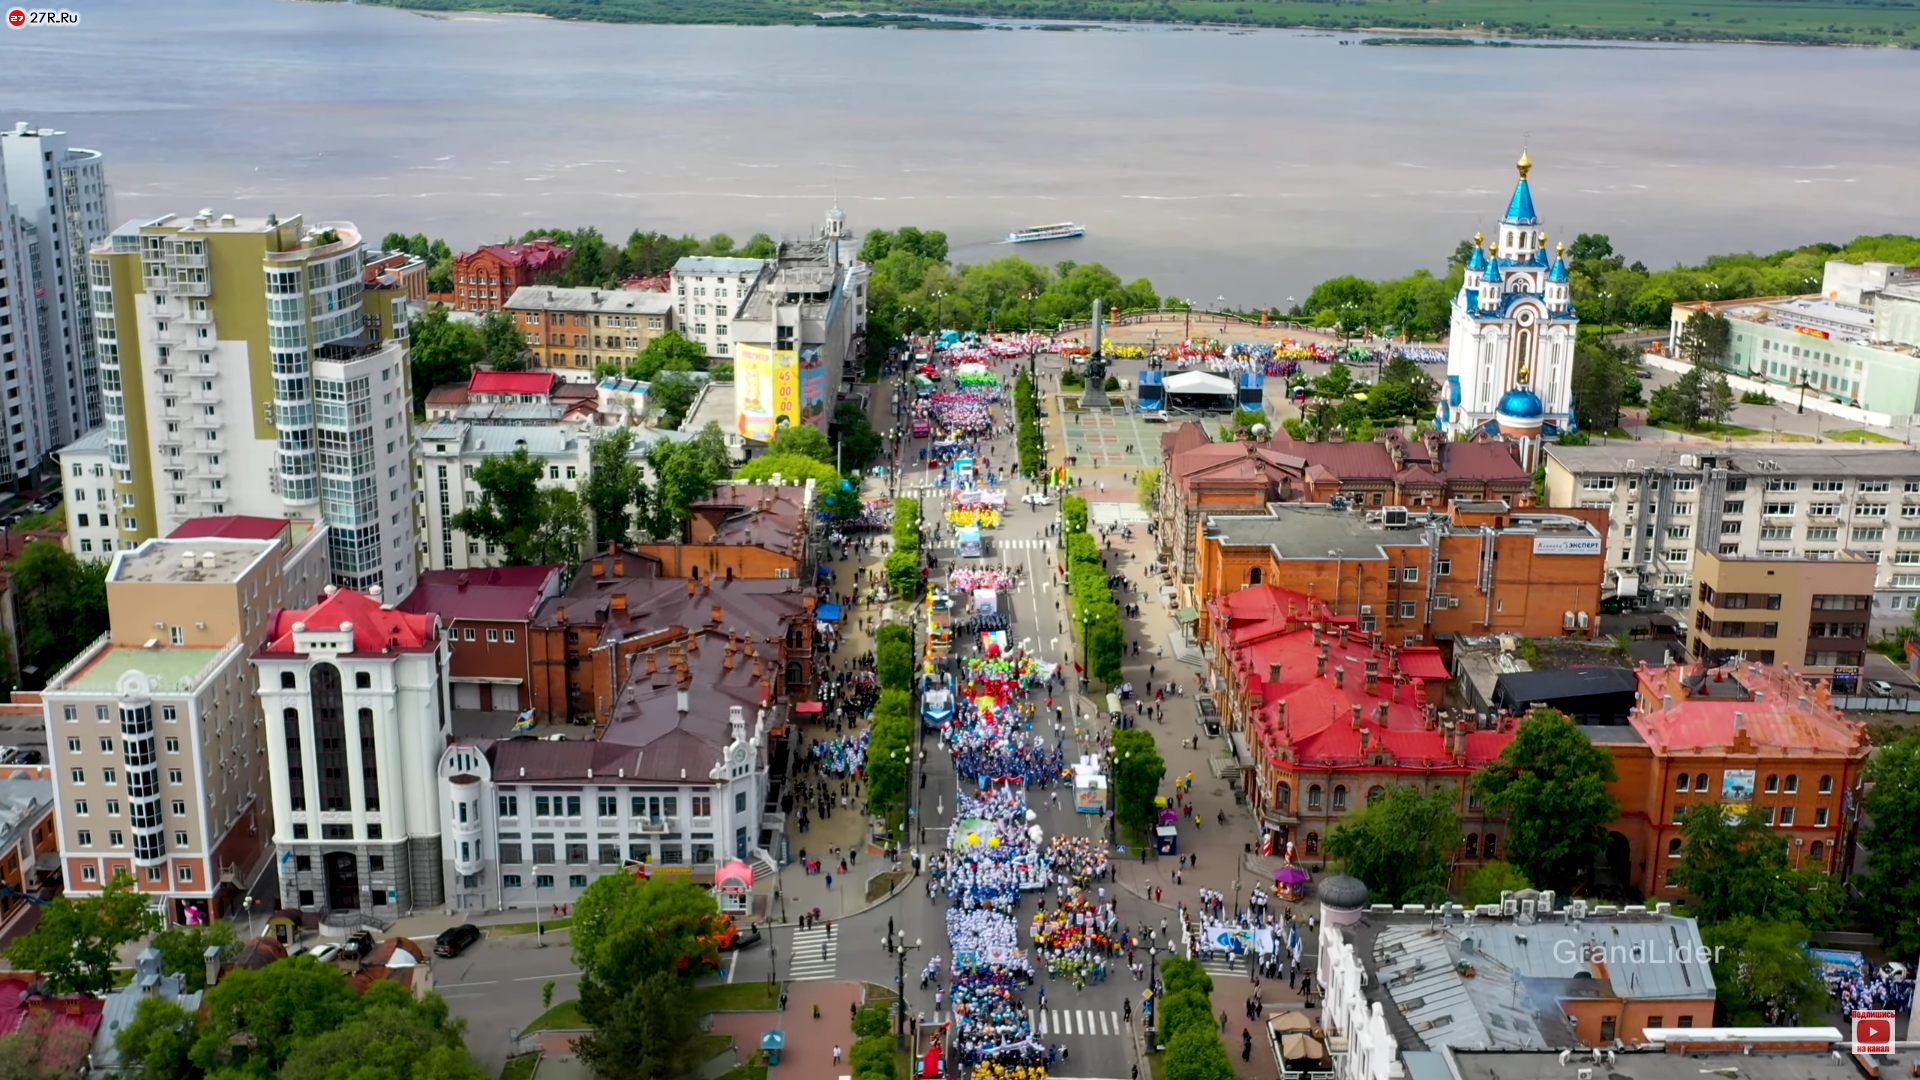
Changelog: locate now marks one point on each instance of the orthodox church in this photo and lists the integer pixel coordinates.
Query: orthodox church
(1510, 349)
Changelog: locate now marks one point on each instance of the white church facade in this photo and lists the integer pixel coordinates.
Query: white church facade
(1510, 347)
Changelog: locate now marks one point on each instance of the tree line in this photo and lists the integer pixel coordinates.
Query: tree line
(594, 262)
(1753, 895)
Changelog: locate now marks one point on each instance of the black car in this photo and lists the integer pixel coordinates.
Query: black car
(454, 940)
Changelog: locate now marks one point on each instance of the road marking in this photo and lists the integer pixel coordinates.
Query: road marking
(532, 978)
(456, 986)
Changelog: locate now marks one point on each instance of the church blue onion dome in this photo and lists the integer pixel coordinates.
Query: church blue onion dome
(1479, 260)
(1559, 271)
(1522, 405)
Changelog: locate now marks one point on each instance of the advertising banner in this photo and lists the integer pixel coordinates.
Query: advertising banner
(1567, 545)
(813, 389)
(1736, 792)
(786, 387)
(754, 392)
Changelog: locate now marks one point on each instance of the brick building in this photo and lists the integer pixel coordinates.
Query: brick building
(1807, 611)
(486, 614)
(621, 604)
(1739, 735)
(1479, 568)
(484, 280)
(1331, 717)
(1203, 477)
(574, 331)
(744, 531)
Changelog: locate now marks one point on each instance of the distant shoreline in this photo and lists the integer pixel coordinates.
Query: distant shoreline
(1481, 22)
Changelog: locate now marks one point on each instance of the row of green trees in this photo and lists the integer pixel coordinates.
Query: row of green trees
(637, 941)
(1605, 287)
(442, 349)
(890, 747)
(1026, 411)
(903, 562)
(61, 605)
(1096, 616)
(594, 261)
(1403, 393)
(1138, 769)
(871, 1057)
(1185, 1018)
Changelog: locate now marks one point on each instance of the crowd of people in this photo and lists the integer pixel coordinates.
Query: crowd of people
(842, 756)
(1076, 938)
(1857, 990)
(992, 857)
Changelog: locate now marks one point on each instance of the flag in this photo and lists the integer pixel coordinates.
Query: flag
(1293, 941)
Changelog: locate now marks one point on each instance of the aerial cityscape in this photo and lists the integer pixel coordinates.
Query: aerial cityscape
(492, 487)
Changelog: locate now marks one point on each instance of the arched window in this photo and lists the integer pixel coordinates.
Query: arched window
(1700, 782)
(286, 680)
(369, 761)
(1283, 797)
(1253, 576)
(1375, 794)
(1339, 796)
(1773, 783)
(1673, 848)
(1313, 797)
(1816, 850)
(1313, 843)
(1793, 784)
(1488, 847)
(1826, 785)
(1473, 846)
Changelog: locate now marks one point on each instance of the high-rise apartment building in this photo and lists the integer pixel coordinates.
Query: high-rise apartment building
(245, 368)
(153, 733)
(53, 209)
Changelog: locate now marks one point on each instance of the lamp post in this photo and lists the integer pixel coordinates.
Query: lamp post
(1189, 333)
(1220, 305)
(1153, 992)
(940, 300)
(539, 930)
(897, 944)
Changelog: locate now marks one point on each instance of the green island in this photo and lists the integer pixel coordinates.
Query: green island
(1894, 23)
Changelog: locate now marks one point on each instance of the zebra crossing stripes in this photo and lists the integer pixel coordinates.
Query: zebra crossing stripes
(1222, 965)
(1059, 1023)
(808, 960)
(997, 544)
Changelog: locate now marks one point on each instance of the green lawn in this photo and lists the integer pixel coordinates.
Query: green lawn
(520, 1068)
(564, 1016)
(50, 521)
(502, 929)
(708, 1047)
(736, 997)
(1857, 435)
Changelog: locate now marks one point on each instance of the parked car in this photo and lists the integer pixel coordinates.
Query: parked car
(358, 945)
(28, 757)
(326, 953)
(454, 939)
(1893, 969)
(1881, 687)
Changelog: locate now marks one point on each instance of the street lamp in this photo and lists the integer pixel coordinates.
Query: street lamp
(539, 930)
(896, 943)
(940, 299)
(1220, 305)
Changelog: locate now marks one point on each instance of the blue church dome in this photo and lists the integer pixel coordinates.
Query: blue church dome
(1559, 271)
(1479, 260)
(1522, 405)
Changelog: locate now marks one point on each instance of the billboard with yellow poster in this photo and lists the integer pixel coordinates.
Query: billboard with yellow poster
(753, 382)
(786, 388)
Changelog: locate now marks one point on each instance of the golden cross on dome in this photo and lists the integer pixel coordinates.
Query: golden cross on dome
(1526, 163)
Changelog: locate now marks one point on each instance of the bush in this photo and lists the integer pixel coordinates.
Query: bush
(1073, 512)
(1182, 1009)
(903, 575)
(1182, 974)
(894, 663)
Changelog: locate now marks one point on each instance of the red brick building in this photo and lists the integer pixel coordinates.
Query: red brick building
(1331, 717)
(1200, 477)
(484, 280)
(741, 530)
(1744, 734)
(486, 614)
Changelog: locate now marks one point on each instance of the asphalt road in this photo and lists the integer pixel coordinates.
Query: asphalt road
(495, 987)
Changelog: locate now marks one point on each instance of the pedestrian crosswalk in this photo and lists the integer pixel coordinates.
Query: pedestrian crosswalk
(1061, 1023)
(815, 955)
(1218, 964)
(995, 543)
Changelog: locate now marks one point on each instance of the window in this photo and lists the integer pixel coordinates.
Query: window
(1445, 568)
(609, 806)
(286, 680)
(1826, 785)
(179, 808)
(116, 838)
(1598, 483)
(362, 680)
(610, 854)
(1700, 782)
(1473, 845)
(87, 873)
(173, 745)
(511, 881)
(1340, 796)
(1673, 848)
(1254, 575)
(576, 881)
(1313, 797)
(1786, 815)
(80, 807)
(1736, 506)
(1773, 783)
(1410, 574)
(573, 805)
(1792, 785)
(493, 635)
(543, 881)
(79, 776)
(1729, 528)
(509, 806)
(1783, 485)
(576, 853)
(702, 806)
(73, 746)
(113, 807)
(508, 634)
(1820, 817)
(1679, 813)
(1488, 848)
(1686, 1021)
(173, 776)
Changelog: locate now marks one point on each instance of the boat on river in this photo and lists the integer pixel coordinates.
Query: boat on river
(1063, 231)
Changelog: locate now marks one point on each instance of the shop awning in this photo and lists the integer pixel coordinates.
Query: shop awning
(1188, 615)
(827, 612)
(1424, 663)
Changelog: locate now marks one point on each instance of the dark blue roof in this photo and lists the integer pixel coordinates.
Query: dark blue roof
(1520, 207)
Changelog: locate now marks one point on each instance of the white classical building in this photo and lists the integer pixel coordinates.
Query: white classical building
(1510, 350)
(354, 699)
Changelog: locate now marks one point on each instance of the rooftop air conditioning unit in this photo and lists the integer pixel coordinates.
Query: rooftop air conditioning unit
(1689, 461)
(1395, 517)
(1366, 609)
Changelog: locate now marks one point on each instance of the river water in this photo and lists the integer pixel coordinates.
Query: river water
(1244, 165)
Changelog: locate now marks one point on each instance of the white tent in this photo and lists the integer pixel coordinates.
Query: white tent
(1200, 391)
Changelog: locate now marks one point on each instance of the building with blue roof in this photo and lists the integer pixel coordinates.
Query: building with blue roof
(1510, 347)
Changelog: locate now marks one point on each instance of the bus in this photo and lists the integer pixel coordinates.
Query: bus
(970, 545)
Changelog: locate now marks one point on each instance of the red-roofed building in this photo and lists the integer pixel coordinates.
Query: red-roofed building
(1332, 717)
(484, 280)
(1202, 477)
(236, 527)
(1744, 734)
(510, 387)
(355, 721)
(486, 613)
(18, 1003)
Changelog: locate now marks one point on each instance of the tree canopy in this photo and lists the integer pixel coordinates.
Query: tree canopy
(791, 469)
(1551, 782)
(668, 352)
(630, 935)
(609, 488)
(803, 440)
(1733, 865)
(684, 472)
(1138, 769)
(1402, 845)
(1890, 889)
(533, 525)
(61, 604)
(78, 938)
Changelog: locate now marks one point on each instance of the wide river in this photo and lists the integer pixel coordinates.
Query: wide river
(1240, 165)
